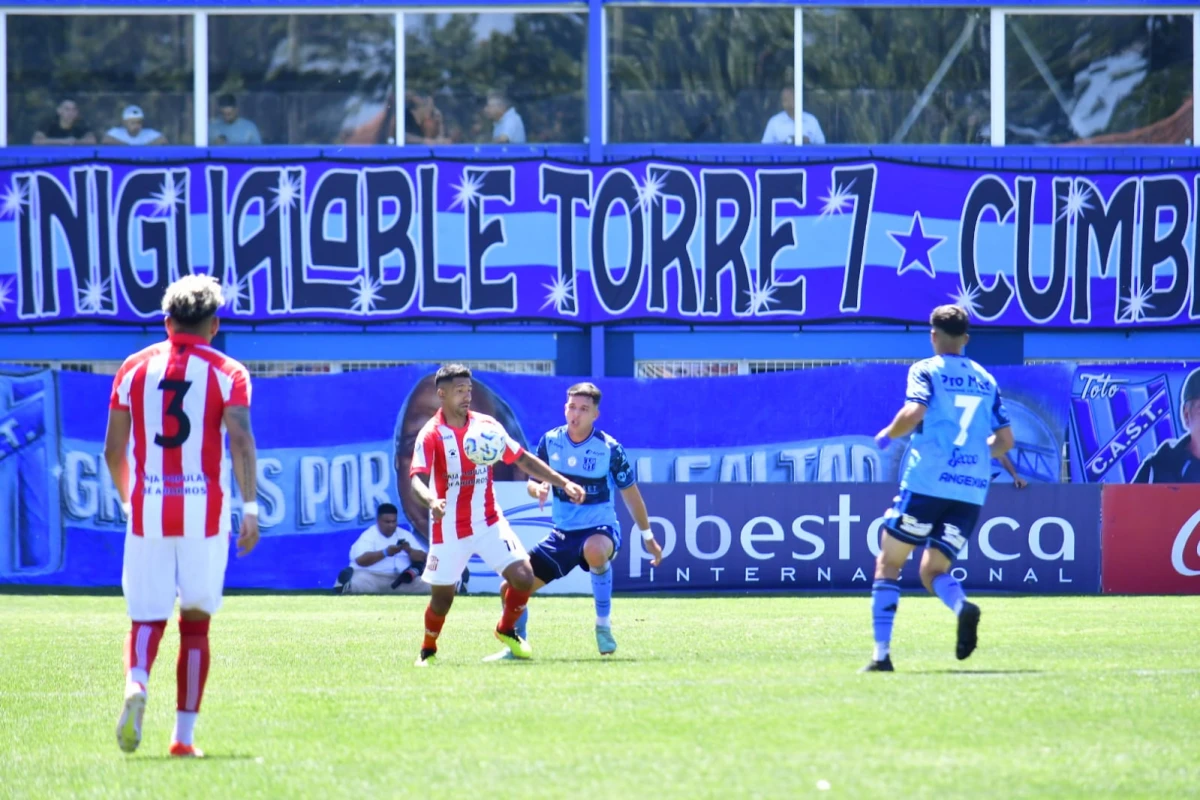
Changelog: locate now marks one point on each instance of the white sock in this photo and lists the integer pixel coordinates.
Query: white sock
(604, 622)
(139, 675)
(185, 725)
(881, 650)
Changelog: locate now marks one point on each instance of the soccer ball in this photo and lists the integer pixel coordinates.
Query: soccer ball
(484, 443)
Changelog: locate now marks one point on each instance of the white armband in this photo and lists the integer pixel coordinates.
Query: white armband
(647, 534)
(127, 508)
(250, 509)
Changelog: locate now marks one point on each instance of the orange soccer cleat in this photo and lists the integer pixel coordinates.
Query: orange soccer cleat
(186, 750)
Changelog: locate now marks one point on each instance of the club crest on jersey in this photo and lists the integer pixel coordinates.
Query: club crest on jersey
(572, 461)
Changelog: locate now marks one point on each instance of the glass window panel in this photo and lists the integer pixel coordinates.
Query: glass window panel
(697, 74)
(495, 77)
(914, 76)
(301, 78)
(73, 78)
(1098, 79)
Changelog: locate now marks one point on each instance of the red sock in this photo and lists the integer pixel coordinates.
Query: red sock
(191, 671)
(514, 606)
(433, 628)
(141, 645)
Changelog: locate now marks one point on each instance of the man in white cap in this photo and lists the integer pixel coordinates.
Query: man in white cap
(132, 130)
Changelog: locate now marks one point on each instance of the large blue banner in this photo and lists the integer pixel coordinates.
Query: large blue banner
(1136, 423)
(566, 243)
(332, 448)
(761, 538)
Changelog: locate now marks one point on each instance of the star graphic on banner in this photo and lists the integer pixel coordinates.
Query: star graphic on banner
(287, 193)
(169, 193)
(366, 294)
(917, 246)
(838, 200)
(6, 294)
(1077, 201)
(649, 191)
(761, 298)
(235, 290)
(967, 298)
(15, 197)
(93, 296)
(466, 191)
(559, 291)
(1136, 305)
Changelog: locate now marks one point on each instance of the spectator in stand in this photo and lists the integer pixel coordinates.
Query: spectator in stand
(132, 130)
(229, 128)
(66, 129)
(508, 128)
(781, 128)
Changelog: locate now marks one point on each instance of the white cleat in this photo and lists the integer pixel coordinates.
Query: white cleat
(129, 725)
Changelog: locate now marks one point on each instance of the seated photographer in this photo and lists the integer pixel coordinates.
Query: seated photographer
(384, 560)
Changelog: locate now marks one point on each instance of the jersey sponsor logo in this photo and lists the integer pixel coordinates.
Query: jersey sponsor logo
(1180, 547)
(960, 459)
(963, 480)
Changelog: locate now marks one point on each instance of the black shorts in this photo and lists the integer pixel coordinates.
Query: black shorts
(561, 551)
(921, 519)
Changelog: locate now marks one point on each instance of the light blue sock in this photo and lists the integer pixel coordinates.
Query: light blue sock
(885, 598)
(949, 591)
(602, 593)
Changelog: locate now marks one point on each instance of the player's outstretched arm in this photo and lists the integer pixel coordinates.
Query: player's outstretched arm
(641, 517)
(539, 469)
(244, 452)
(116, 443)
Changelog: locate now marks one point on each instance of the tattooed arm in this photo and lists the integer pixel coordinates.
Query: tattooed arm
(245, 470)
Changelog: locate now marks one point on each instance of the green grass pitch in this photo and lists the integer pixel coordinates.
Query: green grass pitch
(316, 696)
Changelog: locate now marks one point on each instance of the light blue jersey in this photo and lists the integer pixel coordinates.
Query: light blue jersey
(949, 455)
(599, 465)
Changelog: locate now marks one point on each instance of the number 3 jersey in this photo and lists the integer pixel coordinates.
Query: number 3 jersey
(949, 455)
(176, 393)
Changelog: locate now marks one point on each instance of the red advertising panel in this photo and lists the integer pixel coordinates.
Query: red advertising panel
(1151, 539)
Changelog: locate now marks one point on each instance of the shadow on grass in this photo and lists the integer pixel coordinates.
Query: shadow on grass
(976, 672)
(207, 757)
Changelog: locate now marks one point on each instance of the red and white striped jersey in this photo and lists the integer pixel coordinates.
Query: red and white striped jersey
(176, 392)
(468, 488)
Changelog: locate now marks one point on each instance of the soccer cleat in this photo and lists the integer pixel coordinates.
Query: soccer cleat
(180, 750)
(129, 725)
(968, 628)
(503, 655)
(516, 645)
(879, 666)
(427, 658)
(605, 640)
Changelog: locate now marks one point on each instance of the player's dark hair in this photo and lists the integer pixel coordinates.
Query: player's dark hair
(192, 300)
(386, 508)
(448, 372)
(950, 320)
(226, 101)
(585, 390)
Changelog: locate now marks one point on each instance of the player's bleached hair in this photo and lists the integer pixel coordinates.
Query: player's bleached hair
(448, 372)
(192, 300)
(950, 320)
(585, 390)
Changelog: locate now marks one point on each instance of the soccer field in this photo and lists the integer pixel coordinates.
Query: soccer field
(316, 696)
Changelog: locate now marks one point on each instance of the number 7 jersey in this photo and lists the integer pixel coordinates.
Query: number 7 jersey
(176, 393)
(949, 456)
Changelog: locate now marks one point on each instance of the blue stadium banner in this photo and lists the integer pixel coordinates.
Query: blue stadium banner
(363, 242)
(1045, 539)
(1136, 423)
(333, 448)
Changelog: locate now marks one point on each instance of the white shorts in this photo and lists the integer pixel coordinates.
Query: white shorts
(496, 544)
(156, 571)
